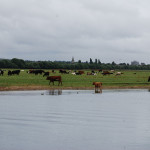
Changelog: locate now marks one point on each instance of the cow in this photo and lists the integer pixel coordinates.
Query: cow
(100, 70)
(119, 73)
(73, 73)
(98, 87)
(93, 71)
(149, 79)
(9, 73)
(77, 73)
(53, 71)
(106, 73)
(97, 84)
(81, 72)
(1, 72)
(30, 71)
(36, 72)
(94, 74)
(88, 73)
(63, 71)
(17, 72)
(54, 78)
(46, 74)
(112, 70)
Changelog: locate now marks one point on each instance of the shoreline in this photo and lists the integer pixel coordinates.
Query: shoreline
(28, 88)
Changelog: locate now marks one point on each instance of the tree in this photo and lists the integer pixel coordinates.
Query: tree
(113, 63)
(95, 61)
(99, 62)
(79, 61)
(5, 63)
(91, 62)
(18, 63)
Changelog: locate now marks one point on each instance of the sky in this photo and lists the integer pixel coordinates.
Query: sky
(108, 30)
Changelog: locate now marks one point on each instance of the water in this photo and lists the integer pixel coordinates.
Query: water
(75, 120)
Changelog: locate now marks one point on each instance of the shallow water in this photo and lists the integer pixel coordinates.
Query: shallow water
(75, 120)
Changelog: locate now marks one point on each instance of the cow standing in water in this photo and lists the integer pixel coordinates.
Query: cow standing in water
(98, 87)
(54, 78)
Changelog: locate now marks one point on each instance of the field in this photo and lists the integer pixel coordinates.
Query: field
(129, 79)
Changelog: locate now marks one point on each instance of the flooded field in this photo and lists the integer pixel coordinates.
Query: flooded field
(75, 120)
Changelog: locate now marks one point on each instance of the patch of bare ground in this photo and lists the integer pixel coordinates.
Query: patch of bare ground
(25, 88)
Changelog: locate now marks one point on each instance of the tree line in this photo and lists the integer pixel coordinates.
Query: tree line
(16, 63)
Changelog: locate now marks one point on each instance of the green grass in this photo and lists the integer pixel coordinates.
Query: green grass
(69, 80)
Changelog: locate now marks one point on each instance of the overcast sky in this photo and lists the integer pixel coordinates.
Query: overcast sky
(109, 30)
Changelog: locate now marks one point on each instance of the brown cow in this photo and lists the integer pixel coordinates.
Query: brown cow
(89, 73)
(97, 84)
(98, 87)
(81, 72)
(54, 78)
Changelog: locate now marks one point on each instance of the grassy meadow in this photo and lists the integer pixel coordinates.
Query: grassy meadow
(127, 79)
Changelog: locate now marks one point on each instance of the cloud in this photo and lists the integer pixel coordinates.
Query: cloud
(109, 30)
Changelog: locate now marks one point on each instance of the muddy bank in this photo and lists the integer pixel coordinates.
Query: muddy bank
(25, 88)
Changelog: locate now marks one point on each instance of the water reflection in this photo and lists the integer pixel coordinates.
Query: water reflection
(98, 91)
(55, 92)
(59, 92)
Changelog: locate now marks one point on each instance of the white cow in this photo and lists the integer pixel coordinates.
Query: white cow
(119, 73)
(73, 73)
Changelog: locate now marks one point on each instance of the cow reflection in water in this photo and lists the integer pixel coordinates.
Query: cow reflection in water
(55, 92)
(98, 91)
(98, 87)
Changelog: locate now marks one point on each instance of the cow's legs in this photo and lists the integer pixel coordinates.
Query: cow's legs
(60, 82)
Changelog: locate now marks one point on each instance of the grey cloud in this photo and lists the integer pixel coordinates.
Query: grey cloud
(57, 30)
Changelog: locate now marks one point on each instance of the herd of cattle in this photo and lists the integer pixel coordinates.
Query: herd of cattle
(47, 73)
(52, 77)
(17, 72)
(58, 78)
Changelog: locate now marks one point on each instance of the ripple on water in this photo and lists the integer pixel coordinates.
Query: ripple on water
(114, 119)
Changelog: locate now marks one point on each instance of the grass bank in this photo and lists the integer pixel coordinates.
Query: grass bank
(25, 81)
